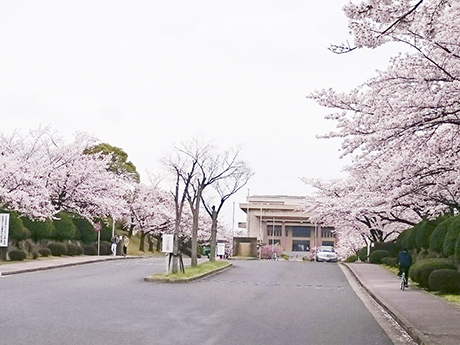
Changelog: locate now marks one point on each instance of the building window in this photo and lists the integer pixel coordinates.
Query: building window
(327, 232)
(301, 231)
(274, 230)
(300, 246)
(274, 242)
(328, 243)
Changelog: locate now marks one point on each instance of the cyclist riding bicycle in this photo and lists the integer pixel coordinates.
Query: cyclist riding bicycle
(404, 261)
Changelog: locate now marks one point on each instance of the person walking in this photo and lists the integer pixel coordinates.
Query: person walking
(114, 245)
(404, 261)
(125, 242)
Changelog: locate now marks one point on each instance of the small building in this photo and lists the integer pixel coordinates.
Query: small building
(276, 219)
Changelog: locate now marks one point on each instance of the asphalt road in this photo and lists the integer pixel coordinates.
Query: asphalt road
(255, 302)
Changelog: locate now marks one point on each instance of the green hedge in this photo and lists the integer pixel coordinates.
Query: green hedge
(377, 255)
(420, 271)
(445, 280)
(64, 228)
(39, 229)
(389, 261)
(401, 240)
(85, 231)
(362, 254)
(423, 233)
(17, 255)
(18, 231)
(57, 248)
(89, 249)
(44, 252)
(457, 249)
(105, 248)
(74, 249)
(439, 234)
(451, 237)
(392, 247)
(351, 258)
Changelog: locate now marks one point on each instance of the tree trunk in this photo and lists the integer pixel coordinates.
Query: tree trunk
(196, 214)
(150, 243)
(194, 245)
(175, 261)
(141, 244)
(212, 254)
(158, 243)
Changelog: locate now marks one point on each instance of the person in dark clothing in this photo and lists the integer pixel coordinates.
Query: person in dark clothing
(404, 261)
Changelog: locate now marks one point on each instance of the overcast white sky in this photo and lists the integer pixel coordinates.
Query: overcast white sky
(142, 75)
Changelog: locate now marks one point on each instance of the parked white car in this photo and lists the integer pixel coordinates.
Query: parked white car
(326, 253)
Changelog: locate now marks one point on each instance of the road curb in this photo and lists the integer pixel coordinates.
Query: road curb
(207, 274)
(418, 336)
(70, 264)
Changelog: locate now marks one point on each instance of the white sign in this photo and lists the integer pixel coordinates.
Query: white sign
(4, 229)
(220, 249)
(167, 243)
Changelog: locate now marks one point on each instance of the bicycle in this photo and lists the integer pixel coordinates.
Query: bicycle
(403, 281)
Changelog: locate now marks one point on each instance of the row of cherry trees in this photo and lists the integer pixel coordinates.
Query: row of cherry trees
(401, 127)
(41, 175)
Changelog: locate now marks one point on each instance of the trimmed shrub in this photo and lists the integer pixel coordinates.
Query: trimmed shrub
(409, 240)
(89, 249)
(425, 229)
(377, 255)
(17, 255)
(392, 247)
(85, 231)
(105, 248)
(57, 248)
(445, 280)
(401, 240)
(439, 234)
(362, 254)
(389, 261)
(420, 272)
(39, 230)
(74, 249)
(457, 249)
(45, 252)
(17, 230)
(351, 258)
(64, 228)
(448, 248)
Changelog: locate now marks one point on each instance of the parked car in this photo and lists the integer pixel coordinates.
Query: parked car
(326, 253)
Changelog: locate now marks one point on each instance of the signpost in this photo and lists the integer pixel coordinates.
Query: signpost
(98, 227)
(4, 229)
(167, 246)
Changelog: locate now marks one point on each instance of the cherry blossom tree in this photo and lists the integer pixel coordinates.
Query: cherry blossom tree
(50, 175)
(151, 211)
(402, 126)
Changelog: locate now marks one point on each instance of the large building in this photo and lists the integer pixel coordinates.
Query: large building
(276, 219)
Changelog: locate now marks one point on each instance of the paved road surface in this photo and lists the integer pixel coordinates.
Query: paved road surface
(256, 302)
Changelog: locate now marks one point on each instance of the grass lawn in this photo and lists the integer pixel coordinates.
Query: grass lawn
(191, 272)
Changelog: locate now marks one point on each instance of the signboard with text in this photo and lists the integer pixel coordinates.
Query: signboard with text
(167, 244)
(220, 249)
(4, 229)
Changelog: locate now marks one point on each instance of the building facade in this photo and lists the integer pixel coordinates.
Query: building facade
(276, 219)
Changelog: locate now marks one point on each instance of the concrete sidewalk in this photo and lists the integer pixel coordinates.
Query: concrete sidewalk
(427, 318)
(9, 268)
